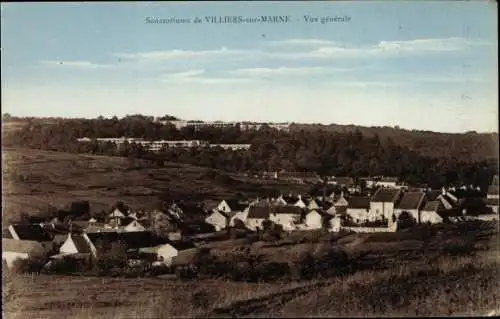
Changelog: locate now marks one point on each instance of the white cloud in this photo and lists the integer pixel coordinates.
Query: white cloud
(178, 54)
(76, 64)
(301, 42)
(286, 71)
(196, 76)
(316, 49)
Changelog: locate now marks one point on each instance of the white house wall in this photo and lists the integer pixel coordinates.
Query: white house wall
(68, 247)
(10, 257)
(430, 216)
(314, 220)
(217, 220)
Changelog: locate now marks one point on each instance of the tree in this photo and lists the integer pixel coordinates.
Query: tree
(162, 224)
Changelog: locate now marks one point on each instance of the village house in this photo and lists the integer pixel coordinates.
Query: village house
(286, 216)
(218, 219)
(431, 212)
(231, 206)
(359, 209)
(115, 216)
(166, 252)
(241, 216)
(448, 200)
(313, 204)
(135, 225)
(313, 220)
(77, 244)
(412, 203)
(492, 196)
(257, 215)
(383, 202)
(301, 202)
(33, 232)
(15, 249)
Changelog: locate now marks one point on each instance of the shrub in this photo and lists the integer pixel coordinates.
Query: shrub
(33, 264)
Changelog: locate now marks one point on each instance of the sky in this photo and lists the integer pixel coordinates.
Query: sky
(418, 65)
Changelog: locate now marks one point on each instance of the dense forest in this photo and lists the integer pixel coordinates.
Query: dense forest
(416, 157)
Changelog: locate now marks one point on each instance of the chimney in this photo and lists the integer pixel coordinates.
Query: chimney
(443, 191)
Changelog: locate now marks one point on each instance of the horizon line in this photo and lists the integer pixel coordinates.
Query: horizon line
(394, 127)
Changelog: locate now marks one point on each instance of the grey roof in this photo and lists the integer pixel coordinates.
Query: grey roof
(236, 205)
(182, 245)
(288, 209)
(132, 240)
(82, 246)
(33, 232)
(259, 212)
(432, 195)
(386, 195)
(410, 200)
(433, 206)
(359, 202)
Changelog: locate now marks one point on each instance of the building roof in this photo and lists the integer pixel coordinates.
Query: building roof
(33, 232)
(259, 212)
(290, 199)
(235, 205)
(386, 195)
(21, 246)
(288, 209)
(410, 200)
(185, 257)
(132, 240)
(432, 195)
(209, 205)
(81, 244)
(358, 202)
(182, 245)
(433, 206)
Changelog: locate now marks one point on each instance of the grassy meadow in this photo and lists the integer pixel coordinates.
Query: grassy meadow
(35, 179)
(443, 274)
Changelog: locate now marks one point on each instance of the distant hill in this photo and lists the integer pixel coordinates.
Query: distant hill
(478, 146)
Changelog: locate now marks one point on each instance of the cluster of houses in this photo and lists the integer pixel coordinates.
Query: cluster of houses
(156, 146)
(188, 223)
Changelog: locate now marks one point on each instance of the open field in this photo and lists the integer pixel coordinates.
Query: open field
(35, 179)
(393, 275)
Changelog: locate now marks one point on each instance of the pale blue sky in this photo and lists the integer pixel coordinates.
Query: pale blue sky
(419, 65)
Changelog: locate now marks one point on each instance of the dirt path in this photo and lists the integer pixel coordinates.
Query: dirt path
(262, 305)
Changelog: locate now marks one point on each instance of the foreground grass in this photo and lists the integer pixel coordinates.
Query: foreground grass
(448, 285)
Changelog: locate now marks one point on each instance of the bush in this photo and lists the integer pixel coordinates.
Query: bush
(33, 264)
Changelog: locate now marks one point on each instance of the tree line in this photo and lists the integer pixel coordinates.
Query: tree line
(456, 159)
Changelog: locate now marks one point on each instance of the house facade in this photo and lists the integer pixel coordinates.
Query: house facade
(430, 212)
(359, 209)
(383, 202)
(218, 219)
(77, 244)
(286, 216)
(412, 203)
(314, 220)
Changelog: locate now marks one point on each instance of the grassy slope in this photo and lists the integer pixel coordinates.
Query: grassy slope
(57, 179)
(406, 279)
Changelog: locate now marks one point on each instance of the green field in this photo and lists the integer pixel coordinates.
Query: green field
(35, 179)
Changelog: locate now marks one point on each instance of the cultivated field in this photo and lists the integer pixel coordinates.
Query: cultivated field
(451, 271)
(34, 179)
